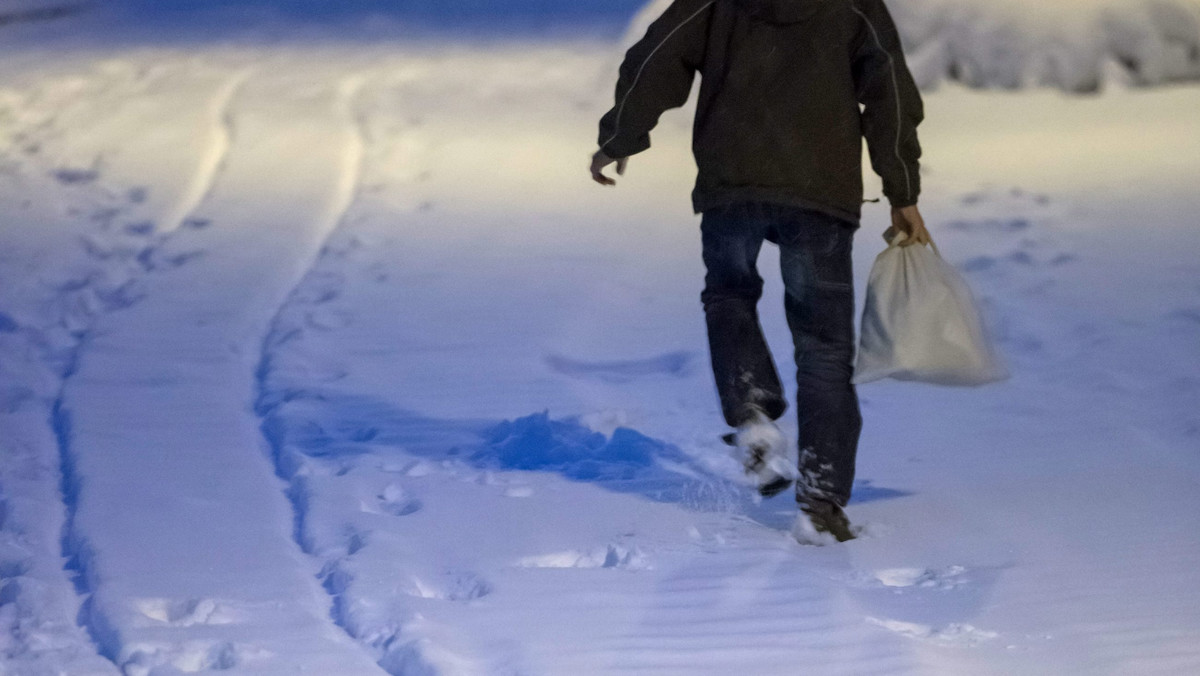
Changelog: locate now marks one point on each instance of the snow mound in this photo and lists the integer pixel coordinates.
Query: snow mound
(1072, 45)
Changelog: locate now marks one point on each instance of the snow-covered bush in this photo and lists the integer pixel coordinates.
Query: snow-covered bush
(1074, 45)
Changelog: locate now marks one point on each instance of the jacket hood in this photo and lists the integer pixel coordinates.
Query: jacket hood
(781, 11)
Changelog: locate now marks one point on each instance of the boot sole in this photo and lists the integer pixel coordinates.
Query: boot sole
(774, 487)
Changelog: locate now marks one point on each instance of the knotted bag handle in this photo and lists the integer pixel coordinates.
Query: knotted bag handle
(894, 236)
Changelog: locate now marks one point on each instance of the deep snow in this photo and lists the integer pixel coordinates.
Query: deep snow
(332, 358)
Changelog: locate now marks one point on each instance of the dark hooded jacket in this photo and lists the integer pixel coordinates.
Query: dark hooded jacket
(778, 119)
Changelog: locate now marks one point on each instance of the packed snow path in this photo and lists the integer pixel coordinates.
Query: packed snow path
(297, 318)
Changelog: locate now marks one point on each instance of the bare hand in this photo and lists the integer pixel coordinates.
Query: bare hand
(908, 220)
(600, 161)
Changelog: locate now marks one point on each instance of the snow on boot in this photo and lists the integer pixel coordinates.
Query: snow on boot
(821, 522)
(764, 450)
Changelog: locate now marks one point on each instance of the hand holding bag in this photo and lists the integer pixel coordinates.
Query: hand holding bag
(920, 322)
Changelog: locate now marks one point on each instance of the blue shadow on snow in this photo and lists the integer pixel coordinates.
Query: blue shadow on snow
(335, 427)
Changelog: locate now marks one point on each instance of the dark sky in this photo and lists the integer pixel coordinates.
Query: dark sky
(603, 17)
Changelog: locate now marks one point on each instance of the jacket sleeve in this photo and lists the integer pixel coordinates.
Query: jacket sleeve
(892, 106)
(656, 76)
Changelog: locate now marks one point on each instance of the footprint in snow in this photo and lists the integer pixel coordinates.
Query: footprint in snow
(950, 634)
(353, 540)
(11, 568)
(1013, 194)
(187, 612)
(190, 657)
(100, 250)
(489, 478)
(155, 259)
(990, 225)
(1015, 259)
(612, 556)
(75, 176)
(340, 246)
(140, 228)
(319, 288)
(931, 604)
(395, 501)
(324, 319)
(415, 469)
(922, 578)
(710, 540)
(450, 586)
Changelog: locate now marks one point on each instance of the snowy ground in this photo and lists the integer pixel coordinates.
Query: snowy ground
(331, 359)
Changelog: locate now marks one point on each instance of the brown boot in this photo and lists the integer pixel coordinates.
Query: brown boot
(819, 519)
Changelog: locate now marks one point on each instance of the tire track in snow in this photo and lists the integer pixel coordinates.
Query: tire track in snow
(103, 277)
(349, 186)
(75, 548)
(109, 286)
(353, 154)
(223, 190)
(213, 162)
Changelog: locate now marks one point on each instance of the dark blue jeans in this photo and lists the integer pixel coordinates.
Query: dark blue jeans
(814, 257)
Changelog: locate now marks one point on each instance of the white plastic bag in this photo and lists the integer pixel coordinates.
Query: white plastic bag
(920, 323)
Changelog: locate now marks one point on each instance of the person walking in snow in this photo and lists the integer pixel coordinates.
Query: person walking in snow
(778, 143)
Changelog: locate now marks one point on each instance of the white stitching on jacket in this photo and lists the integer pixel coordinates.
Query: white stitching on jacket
(621, 108)
(896, 88)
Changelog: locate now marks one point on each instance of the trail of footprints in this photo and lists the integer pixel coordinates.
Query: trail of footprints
(924, 604)
(189, 656)
(118, 248)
